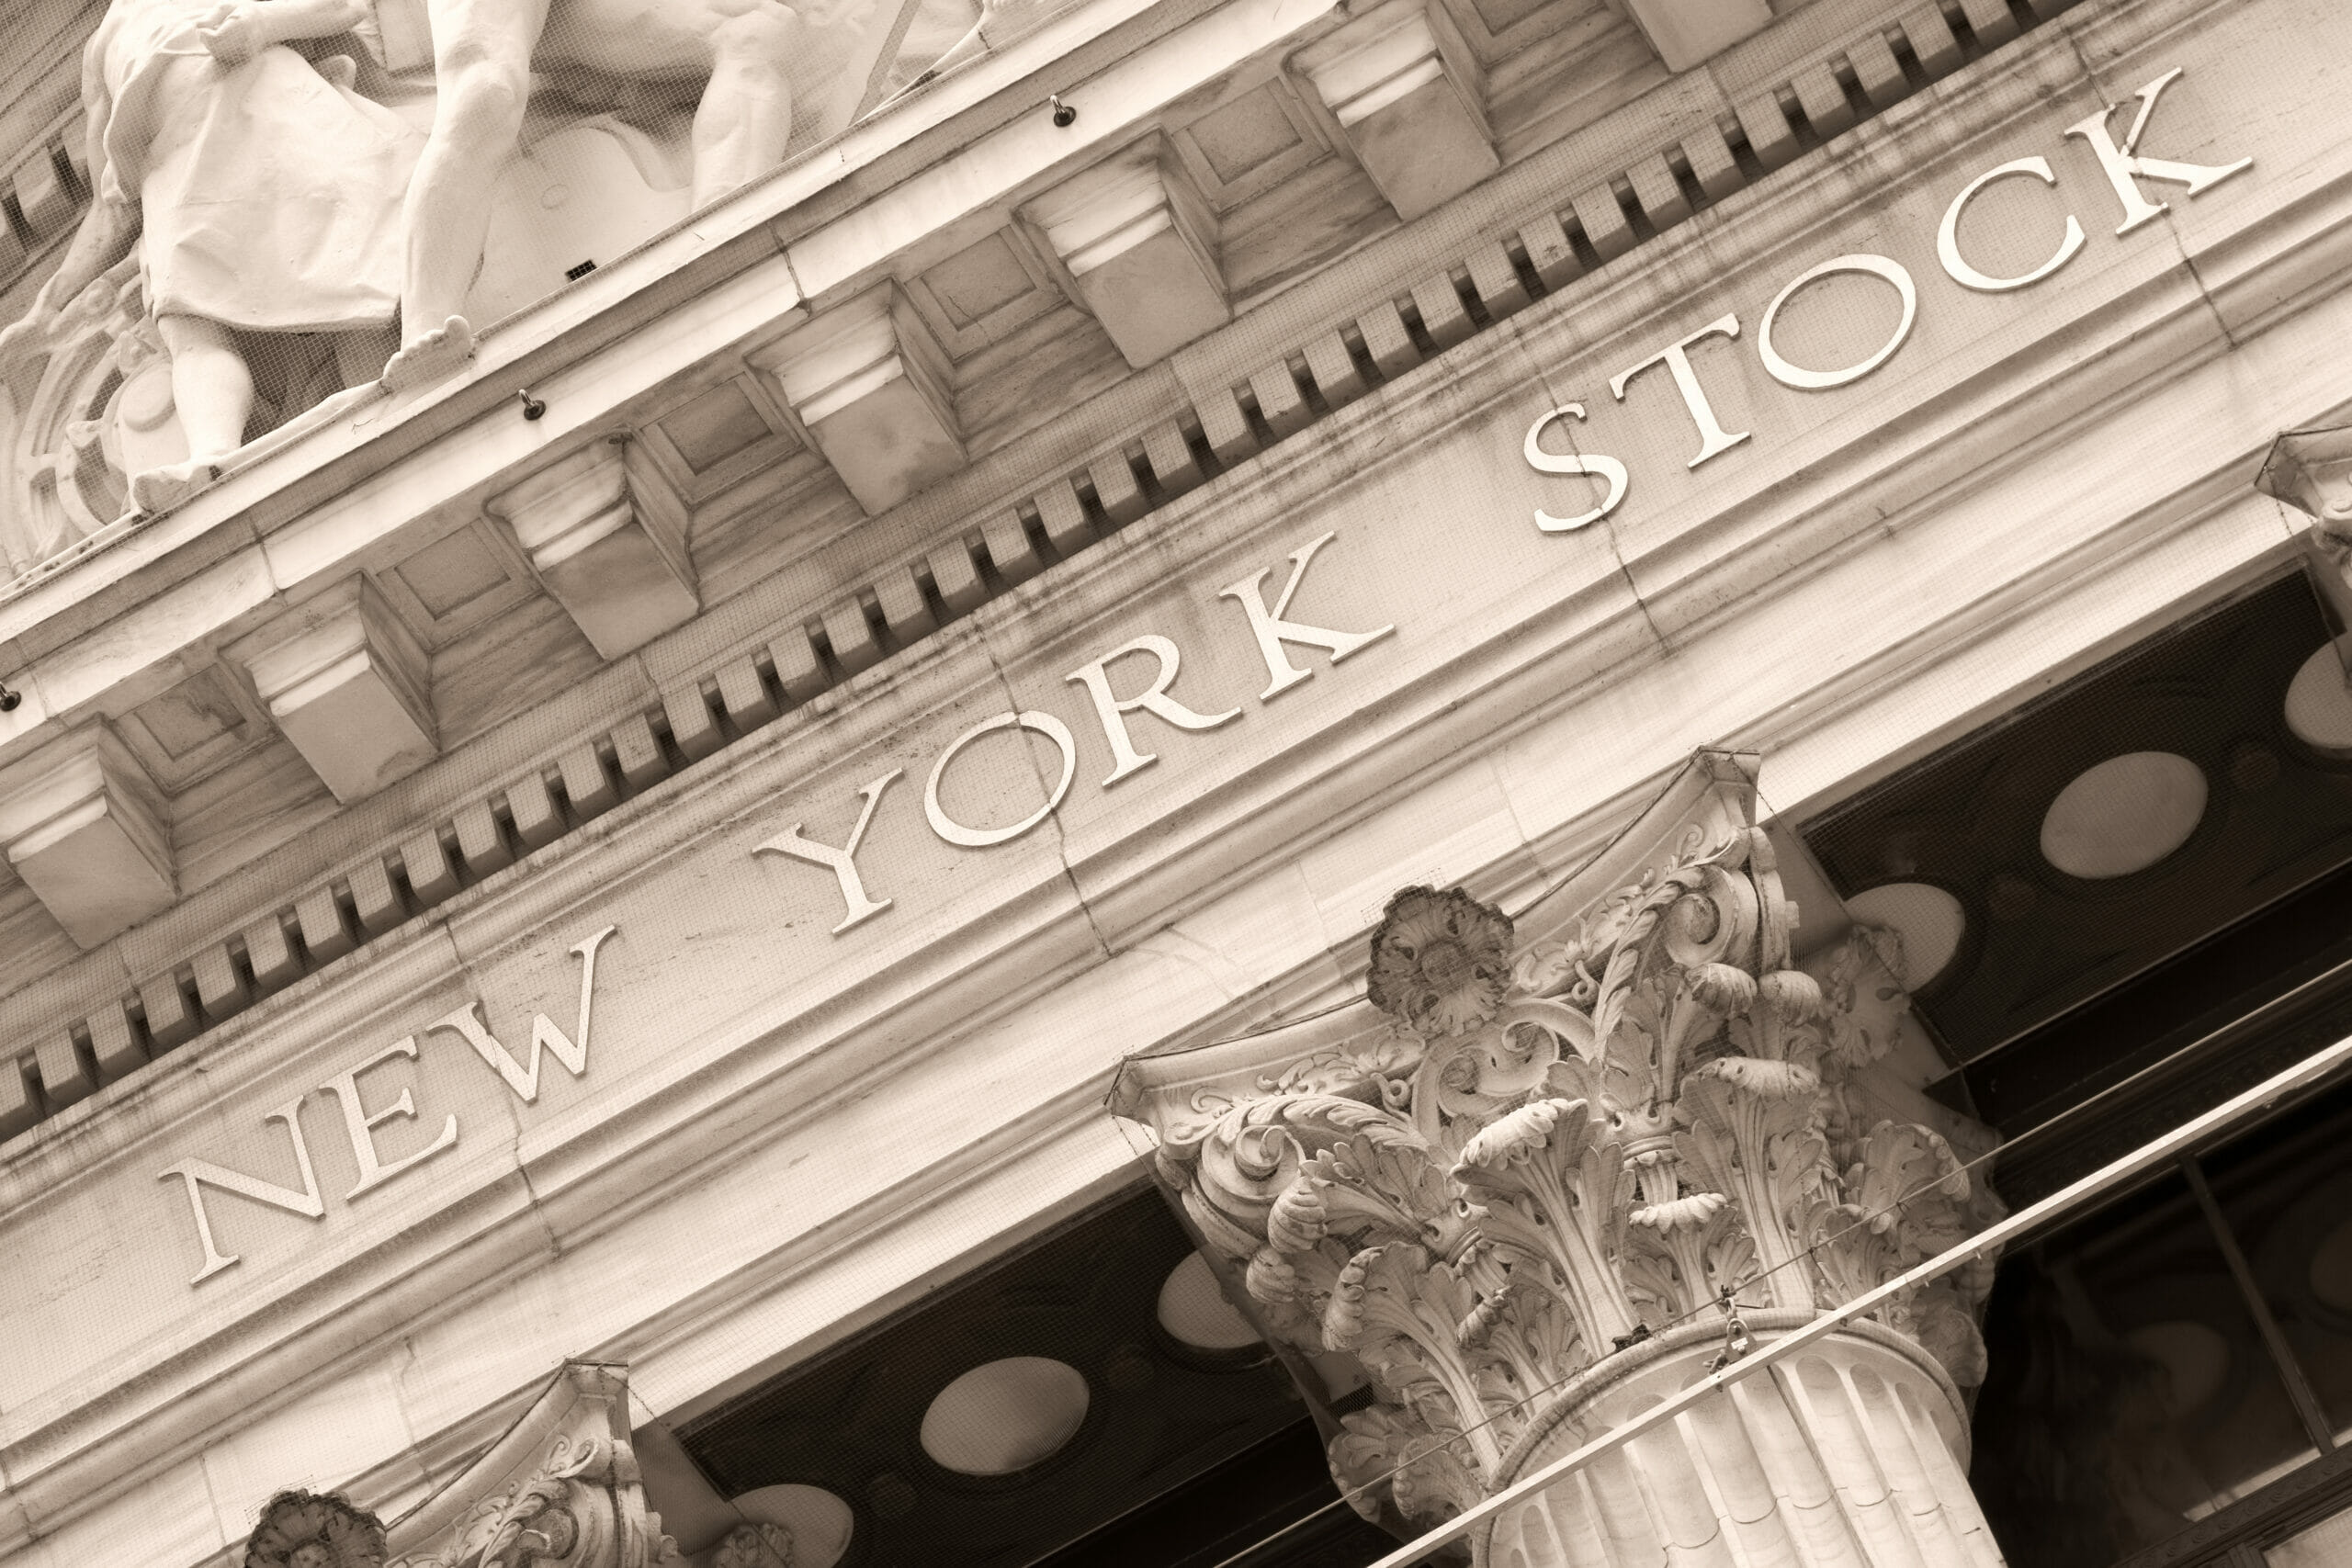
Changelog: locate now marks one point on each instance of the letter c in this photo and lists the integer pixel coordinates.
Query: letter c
(955, 832)
(1594, 465)
(1948, 235)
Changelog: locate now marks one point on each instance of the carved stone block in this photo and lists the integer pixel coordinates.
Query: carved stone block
(1407, 95)
(871, 384)
(609, 544)
(1137, 242)
(1685, 32)
(347, 684)
(2310, 470)
(563, 1480)
(86, 829)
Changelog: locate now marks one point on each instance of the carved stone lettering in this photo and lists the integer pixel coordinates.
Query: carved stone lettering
(1271, 631)
(1713, 439)
(2125, 166)
(1154, 700)
(842, 862)
(361, 1123)
(523, 1077)
(195, 1174)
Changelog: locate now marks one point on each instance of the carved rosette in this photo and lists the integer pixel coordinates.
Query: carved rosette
(315, 1529)
(1519, 1183)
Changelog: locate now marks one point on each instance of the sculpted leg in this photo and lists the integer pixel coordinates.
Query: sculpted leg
(213, 392)
(745, 116)
(481, 62)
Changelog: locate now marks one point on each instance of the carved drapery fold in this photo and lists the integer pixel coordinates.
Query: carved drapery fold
(1547, 1160)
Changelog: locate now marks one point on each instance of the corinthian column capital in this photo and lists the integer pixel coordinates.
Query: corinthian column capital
(1553, 1168)
(559, 1488)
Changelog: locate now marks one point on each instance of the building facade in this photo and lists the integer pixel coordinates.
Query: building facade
(1213, 781)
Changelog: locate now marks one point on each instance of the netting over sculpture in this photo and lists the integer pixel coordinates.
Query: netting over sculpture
(296, 199)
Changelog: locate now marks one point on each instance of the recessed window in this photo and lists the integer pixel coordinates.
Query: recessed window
(2319, 703)
(2124, 815)
(1004, 1417)
(1192, 1308)
(1929, 919)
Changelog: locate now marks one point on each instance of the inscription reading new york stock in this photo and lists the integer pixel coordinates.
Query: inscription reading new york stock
(1273, 631)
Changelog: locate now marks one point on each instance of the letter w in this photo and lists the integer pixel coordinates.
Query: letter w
(522, 1077)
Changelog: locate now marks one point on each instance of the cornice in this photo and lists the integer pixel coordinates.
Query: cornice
(249, 580)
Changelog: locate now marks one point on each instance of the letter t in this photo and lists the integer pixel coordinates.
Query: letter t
(1676, 357)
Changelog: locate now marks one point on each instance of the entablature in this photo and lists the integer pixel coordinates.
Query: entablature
(720, 364)
(435, 536)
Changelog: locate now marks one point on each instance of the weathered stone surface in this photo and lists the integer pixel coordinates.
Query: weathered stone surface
(608, 542)
(871, 384)
(1138, 245)
(1685, 32)
(86, 830)
(1406, 94)
(349, 686)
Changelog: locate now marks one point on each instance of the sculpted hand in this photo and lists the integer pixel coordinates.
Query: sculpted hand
(26, 335)
(234, 33)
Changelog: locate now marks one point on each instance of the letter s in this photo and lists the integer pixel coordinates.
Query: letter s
(1589, 465)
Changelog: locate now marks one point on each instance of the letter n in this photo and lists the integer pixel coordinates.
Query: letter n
(196, 1173)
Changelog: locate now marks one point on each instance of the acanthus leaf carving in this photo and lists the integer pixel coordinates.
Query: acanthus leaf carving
(560, 1486)
(1509, 1166)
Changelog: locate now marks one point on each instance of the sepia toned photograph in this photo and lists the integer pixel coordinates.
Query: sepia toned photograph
(1175, 783)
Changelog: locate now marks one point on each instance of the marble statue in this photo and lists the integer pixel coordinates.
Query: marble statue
(482, 55)
(313, 186)
(259, 192)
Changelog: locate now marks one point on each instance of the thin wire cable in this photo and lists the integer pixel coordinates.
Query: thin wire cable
(1973, 1169)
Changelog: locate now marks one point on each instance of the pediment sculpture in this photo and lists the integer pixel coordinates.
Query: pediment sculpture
(287, 192)
(1553, 1168)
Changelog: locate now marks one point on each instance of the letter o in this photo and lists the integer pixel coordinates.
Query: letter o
(1948, 233)
(1797, 376)
(955, 832)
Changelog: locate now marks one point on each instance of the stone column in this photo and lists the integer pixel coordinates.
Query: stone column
(1553, 1169)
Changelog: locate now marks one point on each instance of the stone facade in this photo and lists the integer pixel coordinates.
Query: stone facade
(648, 846)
